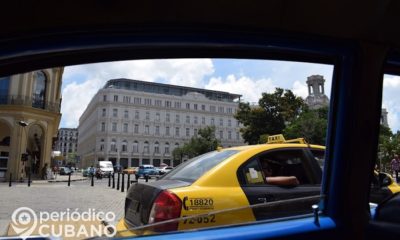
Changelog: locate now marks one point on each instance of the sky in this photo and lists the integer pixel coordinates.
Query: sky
(249, 78)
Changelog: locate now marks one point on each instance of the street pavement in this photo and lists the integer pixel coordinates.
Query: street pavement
(57, 196)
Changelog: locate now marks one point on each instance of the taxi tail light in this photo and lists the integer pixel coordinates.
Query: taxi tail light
(166, 206)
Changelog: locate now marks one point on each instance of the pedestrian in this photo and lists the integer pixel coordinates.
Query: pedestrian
(49, 174)
(92, 171)
(44, 172)
(55, 170)
(395, 164)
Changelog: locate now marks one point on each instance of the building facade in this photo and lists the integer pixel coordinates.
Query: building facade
(67, 145)
(29, 119)
(131, 122)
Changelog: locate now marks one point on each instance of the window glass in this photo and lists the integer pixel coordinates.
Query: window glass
(319, 155)
(39, 90)
(252, 173)
(385, 177)
(193, 169)
(4, 88)
(282, 168)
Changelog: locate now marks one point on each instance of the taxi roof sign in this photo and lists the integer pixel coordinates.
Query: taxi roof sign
(279, 138)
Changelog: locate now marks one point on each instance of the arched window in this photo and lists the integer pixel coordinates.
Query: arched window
(156, 147)
(39, 90)
(113, 145)
(124, 145)
(135, 147)
(146, 147)
(166, 148)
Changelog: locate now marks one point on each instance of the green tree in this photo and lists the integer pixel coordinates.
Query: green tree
(388, 146)
(263, 138)
(204, 142)
(274, 112)
(311, 125)
(177, 153)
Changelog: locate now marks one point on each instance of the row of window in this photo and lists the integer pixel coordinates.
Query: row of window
(67, 139)
(168, 117)
(65, 150)
(136, 162)
(68, 133)
(167, 132)
(65, 144)
(168, 104)
(135, 147)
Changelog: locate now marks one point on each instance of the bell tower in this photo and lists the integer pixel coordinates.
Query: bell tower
(316, 92)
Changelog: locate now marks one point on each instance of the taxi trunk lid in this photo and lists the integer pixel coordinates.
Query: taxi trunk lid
(140, 199)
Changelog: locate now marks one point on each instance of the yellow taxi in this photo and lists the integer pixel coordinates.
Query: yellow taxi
(130, 170)
(228, 186)
(382, 187)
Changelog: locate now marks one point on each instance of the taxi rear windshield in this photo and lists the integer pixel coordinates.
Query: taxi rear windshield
(194, 168)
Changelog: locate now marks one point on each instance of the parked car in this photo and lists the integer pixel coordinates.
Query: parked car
(164, 170)
(65, 170)
(106, 168)
(130, 170)
(117, 168)
(146, 170)
(86, 172)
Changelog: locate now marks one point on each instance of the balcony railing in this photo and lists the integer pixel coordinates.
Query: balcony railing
(29, 101)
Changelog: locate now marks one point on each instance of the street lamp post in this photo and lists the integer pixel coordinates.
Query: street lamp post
(23, 124)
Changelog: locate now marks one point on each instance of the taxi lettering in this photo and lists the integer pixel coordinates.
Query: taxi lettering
(198, 220)
(198, 203)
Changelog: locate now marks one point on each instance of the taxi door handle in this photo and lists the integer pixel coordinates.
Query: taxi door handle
(267, 198)
(263, 199)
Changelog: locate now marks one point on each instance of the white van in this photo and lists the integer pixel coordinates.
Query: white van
(106, 168)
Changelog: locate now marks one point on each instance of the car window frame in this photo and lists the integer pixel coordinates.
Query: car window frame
(338, 54)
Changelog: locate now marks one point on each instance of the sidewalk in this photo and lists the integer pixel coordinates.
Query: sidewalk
(62, 178)
(58, 197)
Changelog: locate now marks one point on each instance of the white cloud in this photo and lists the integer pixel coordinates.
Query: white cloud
(251, 89)
(393, 110)
(391, 100)
(288, 73)
(391, 82)
(75, 99)
(300, 89)
(81, 82)
(393, 121)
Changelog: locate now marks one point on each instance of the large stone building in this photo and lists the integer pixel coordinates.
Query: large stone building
(67, 145)
(29, 119)
(131, 122)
